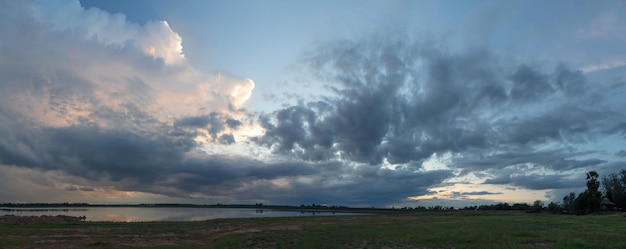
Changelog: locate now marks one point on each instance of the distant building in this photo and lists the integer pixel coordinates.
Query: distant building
(607, 204)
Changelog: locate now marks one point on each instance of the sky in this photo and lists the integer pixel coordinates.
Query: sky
(357, 103)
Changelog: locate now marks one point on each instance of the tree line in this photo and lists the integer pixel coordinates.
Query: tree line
(612, 196)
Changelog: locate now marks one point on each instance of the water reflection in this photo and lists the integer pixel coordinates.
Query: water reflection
(129, 214)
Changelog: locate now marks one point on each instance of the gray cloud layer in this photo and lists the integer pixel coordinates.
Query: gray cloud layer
(400, 102)
(101, 127)
(99, 112)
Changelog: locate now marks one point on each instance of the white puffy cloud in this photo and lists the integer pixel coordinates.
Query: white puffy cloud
(85, 59)
(154, 38)
(95, 104)
(93, 79)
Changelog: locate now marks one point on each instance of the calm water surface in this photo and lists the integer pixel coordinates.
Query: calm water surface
(160, 213)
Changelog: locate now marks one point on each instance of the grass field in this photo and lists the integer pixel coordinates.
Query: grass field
(415, 230)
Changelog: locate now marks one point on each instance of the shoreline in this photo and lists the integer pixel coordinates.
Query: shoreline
(34, 219)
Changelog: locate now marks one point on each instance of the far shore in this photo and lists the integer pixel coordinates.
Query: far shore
(311, 208)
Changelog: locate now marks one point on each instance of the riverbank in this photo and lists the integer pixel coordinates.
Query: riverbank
(32, 219)
(16, 207)
(145, 214)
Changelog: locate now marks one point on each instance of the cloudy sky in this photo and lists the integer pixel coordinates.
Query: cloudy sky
(360, 103)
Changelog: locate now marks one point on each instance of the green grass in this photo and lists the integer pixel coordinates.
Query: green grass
(415, 230)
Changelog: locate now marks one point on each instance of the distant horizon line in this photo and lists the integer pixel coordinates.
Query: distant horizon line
(256, 205)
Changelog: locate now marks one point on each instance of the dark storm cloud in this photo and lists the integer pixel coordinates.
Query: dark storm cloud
(214, 123)
(536, 182)
(159, 163)
(157, 159)
(233, 123)
(529, 84)
(156, 162)
(226, 139)
(560, 160)
(101, 131)
(570, 81)
(402, 102)
(106, 127)
(109, 115)
(568, 122)
(289, 132)
(113, 154)
(619, 128)
(198, 121)
(365, 185)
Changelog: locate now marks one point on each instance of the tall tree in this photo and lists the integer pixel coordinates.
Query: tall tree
(615, 188)
(553, 207)
(568, 201)
(537, 206)
(588, 201)
(592, 182)
(595, 197)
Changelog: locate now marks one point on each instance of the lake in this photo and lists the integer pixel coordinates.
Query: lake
(133, 214)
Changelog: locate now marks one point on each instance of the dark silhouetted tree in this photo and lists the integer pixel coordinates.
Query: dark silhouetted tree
(589, 201)
(553, 207)
(615, 188)
(592, 182)
(536, 207)
(593, 186)
(568, 201)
